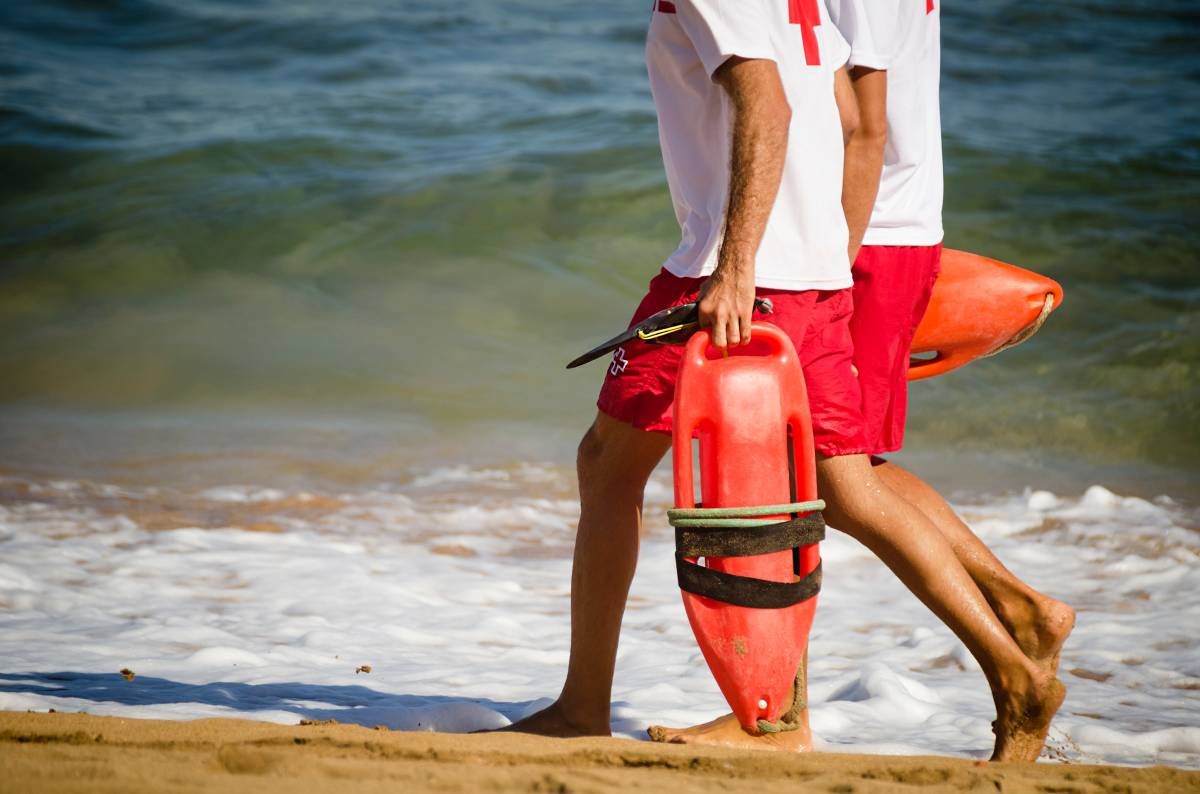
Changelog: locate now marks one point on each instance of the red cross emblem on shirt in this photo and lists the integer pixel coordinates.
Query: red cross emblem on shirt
(807, 15)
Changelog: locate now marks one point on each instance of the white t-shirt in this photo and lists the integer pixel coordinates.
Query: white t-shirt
(804, 245)
(904, 37)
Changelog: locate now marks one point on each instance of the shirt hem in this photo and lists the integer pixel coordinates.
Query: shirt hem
(746, 53)
(902, 237)
(797, 285)
(869, 60)
(776, 282)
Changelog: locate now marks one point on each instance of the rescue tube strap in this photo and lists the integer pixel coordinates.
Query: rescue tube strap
(744, 591)
(722, 541)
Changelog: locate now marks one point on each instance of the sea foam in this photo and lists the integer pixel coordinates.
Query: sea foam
(413, 608)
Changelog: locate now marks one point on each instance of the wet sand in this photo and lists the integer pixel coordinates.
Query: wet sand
(74, 752)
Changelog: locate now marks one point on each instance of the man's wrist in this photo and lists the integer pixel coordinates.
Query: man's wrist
(734, 264)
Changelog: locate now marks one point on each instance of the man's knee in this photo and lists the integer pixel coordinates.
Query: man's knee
(850, 488)
(600, 469)
(614, 456)
(590, 454)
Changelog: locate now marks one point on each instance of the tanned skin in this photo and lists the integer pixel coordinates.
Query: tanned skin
(615, 461)
(862, 95)
(1038, 623)
(761, 117)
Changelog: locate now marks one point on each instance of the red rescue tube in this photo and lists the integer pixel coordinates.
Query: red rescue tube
(742, 408)
(979, 307)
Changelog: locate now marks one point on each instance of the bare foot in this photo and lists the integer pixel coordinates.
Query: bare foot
(1040, 629)
(1056, 621)
(727, 732)
(1024, 720)
(553, 721)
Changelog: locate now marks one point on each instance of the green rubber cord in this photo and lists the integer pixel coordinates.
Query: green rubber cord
(737, 516)
(723, 523)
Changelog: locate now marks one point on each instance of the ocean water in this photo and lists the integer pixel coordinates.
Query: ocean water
(286, 290)
(390, 209)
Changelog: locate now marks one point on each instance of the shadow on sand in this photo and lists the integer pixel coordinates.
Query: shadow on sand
(350, 704)
(357, 705)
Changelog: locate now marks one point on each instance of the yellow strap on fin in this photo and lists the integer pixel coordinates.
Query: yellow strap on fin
(646, 336)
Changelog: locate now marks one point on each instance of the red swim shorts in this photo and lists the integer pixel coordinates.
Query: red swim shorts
(892, 284)
(639, 387)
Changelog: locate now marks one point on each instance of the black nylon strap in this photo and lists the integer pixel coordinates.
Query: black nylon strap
(745, 591)
(749, 541)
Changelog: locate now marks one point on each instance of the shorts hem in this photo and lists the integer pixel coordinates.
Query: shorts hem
(884, 450)
(840, 452)
(608, 411)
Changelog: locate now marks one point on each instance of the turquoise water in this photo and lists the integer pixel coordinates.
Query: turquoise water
(240, 216)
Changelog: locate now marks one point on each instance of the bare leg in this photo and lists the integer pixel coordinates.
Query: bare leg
(861, 505)
(1038, 623)
(615, 461)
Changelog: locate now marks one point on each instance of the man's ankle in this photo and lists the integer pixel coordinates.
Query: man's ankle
(582, 717)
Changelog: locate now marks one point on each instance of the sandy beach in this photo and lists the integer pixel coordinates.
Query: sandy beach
(77, 752)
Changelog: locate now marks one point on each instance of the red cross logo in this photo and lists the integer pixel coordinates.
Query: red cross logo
(619, 362)
(806, 14)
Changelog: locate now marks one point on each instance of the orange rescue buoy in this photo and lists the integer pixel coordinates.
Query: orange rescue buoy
(747, 558)
(978, 308)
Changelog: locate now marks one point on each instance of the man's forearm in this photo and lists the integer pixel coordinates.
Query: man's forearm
(761, 117)
(865, 140)
(759, 147)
